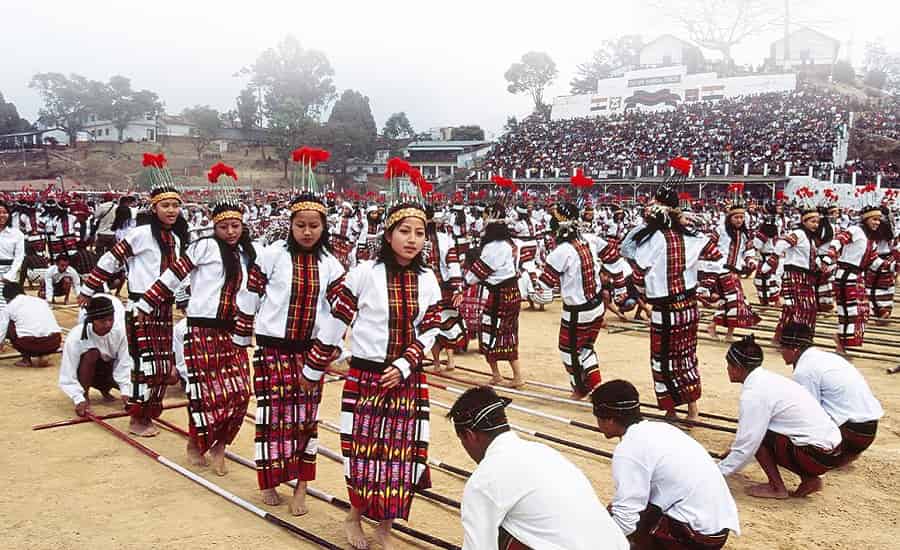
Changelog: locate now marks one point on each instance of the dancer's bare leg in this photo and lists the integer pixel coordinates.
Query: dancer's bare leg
(383, 534)
(298, 501)
(353, 529)
(271, 497)
(517, 381)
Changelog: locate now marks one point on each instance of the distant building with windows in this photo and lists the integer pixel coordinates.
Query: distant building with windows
(808, 50)
(668, 50)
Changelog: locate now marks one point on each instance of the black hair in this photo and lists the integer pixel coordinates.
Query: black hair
(122, 217)
(768, 227)
(230, 260)
(324, 242)
(386, 254)
(826, 230)
(570, 212)
(655, 222)
(617, 399)
(732, 231)
(745, 353)
(11, 290)
(466, 412)
(62, 257)
(495, 231)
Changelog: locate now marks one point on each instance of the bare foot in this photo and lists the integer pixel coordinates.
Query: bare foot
(195, 457)
(355, 536)
(383, 534)
(497, 381)
(298, 501)
(808, 487)
(515, 383)
(23, 363)
(711, 330)
(764, 490)
(217, 459)
(577, 396)
(838, 345)
(142, 428)
(270, 497)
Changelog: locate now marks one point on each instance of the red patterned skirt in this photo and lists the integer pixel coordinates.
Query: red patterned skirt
(852, 306)
(384, 440)
(452, 332)
(673, 350)
(150, 346)
(499, 339)
(805, 461)
(578, 330)
(857, 437)
(737, 312)
(798, 290)
(768, 285)
(342, 250)
(287, 435)
(470, 309)
(218, 384)
(880, 291)
(658, 531)
(824, 290)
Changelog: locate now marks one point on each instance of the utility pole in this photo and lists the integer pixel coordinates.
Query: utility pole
(787, 33)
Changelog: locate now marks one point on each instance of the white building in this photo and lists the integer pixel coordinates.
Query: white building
(670, 50)
(807, 49)
(148, 128)
(664, 88)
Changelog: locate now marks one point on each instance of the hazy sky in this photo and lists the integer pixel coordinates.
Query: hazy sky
(441, 62)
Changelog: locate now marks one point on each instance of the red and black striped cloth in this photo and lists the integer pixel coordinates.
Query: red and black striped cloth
(736, 312)
(673, 352)
(805, 461)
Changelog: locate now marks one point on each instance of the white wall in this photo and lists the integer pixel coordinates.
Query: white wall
(656, 52)
(807, 47)
(663, 88)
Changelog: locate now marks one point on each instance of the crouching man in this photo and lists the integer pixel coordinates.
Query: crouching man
(95, 355)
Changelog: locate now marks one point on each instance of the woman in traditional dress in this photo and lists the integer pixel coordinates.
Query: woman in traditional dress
(442, 257)
(287, 299)
(369, 236)
(218, 375)
(798, 250)
(768, 276)
(738, 257)
(574, 265)
(880, 285)
(856, 251)
(393, 303)
(12, 250)
(148, 251)
(665, 256)
(495, 271)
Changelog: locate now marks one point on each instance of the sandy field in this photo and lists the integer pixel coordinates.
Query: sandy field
(79, 487)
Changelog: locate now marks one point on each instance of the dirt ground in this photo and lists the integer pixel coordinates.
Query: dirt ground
(79, 487)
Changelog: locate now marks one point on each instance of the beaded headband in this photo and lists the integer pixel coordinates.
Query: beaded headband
(228, 215)
(166, 195)
(309, 205)
(871, 214)
(411, 212)
(804, 217)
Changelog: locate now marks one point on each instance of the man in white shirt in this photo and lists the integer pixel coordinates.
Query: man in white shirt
(780, 424)
(837, 385)
(61, 279)
(95, 355)
(523, 494)
(668, 489)
(30, 325)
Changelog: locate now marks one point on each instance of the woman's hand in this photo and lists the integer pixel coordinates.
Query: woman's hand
(391, 378)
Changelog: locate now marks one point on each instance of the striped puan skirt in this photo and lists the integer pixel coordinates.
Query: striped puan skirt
(499, 339)
(150, 346)
(736, 312)
(452, 332)
(673, 350)
(768, 285)
(798, 291)
(578, 330)
(384, 440)
(218, 383)
(287, 436)
(852, 307)
(880, 292)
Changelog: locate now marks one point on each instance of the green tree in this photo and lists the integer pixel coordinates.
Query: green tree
(353, 109)
(612, 55)
(124, 105)
(10, 121)
(68, 100)
(297, 87)
(397, 126)
(248, 109)
(531, 75)
(473, 132)
(350, 131)
(205, 122)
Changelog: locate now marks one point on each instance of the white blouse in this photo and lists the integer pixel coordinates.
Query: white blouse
(496, 264)
(12, 253)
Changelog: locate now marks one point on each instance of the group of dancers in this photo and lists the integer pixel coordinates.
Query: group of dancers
(413, 281)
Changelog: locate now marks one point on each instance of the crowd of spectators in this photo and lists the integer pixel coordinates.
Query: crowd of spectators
(800, 127)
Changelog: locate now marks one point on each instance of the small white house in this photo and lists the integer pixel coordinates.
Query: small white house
(145, 128)
(669, 50)
(807, 48)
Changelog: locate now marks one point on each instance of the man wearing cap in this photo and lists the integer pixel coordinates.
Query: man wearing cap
(95, 354)
(523, 494)
(668, 489)
(837, 385)
(780, 424)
